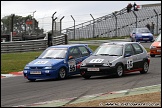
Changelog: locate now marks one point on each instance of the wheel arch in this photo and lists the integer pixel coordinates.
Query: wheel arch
(146, 59)
(120, 63)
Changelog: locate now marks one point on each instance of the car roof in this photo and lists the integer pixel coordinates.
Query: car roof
(68, 45)
(119, 43)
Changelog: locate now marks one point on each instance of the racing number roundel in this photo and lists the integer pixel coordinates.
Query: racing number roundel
(72, 65)
(129, 63)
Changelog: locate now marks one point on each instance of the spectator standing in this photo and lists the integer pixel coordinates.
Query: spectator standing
(129, 7)
(148, 26)
(135, 7)
(152, 27)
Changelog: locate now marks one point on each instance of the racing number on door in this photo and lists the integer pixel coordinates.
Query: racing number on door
(129, 63)
(72, 66)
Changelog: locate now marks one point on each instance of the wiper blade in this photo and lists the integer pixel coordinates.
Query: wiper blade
(48, 57)
(104, 54)
(58, 57)
(114, 55)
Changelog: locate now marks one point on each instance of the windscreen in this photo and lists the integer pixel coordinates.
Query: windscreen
(54, 53)
(109, 50)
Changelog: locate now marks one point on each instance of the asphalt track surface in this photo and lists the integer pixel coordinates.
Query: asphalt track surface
(17, 91)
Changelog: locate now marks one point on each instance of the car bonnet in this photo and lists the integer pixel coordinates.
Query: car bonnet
(145, 34)
(101, 59)
(44, 62)
(156, 43)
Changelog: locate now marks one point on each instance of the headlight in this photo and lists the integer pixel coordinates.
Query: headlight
(25, 71)
(83, 63)
(152, 47)
(48, 67)
(27, 67)
(107, 64)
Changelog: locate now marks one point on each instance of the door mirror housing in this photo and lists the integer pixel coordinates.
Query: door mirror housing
(127, 55)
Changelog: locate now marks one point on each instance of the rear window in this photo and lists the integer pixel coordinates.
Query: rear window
(143, 30)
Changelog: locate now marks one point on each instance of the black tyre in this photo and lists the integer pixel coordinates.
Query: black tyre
(145, 67)
(32, 80)
(62, 73)
(86, 76)
(152, 55)
(119, 70)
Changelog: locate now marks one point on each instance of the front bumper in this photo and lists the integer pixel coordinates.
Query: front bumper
(102, 71)
(155, 51)
(44, 75)
(144, 38)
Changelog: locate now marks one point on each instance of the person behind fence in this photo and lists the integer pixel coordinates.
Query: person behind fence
(148, 26)
(152, 27)
(129, 7)
(135, 7)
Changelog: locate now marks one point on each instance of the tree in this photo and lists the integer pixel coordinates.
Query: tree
(19, 24)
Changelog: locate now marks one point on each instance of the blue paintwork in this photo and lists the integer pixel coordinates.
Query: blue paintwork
(39, 64)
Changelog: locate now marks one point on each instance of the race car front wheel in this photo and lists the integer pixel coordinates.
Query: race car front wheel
(119, 70)
(32, 80)
(86, 76)
(62, 73)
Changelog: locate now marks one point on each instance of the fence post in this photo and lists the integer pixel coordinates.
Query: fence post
(49, 39)
(74, 26)
(156, 21)
(66, 39)
(11, 33)
(93, 25)
(116, 24)
(136, 18)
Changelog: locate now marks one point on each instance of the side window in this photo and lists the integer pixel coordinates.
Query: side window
(84, 51)
(74, 52)
(137, 48)
(129, 50)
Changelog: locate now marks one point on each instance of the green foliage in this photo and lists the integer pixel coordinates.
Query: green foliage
(14, 62)
(18, 22)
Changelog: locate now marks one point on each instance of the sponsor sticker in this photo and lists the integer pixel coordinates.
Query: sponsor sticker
(41, 62)
(96, 61)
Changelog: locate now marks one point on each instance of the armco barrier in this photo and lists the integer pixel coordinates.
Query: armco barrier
(31, 45)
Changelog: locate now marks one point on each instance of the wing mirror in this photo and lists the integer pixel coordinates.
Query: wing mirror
(127, 55)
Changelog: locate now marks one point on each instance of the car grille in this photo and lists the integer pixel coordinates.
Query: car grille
(94, 65)
(158, 47)
(36, 67)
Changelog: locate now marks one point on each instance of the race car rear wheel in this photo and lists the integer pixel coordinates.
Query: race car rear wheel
(62, 73)
(145, 67)
(119, 70)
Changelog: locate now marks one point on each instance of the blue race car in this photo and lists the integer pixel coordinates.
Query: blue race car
(58, 61)
(141, 34)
